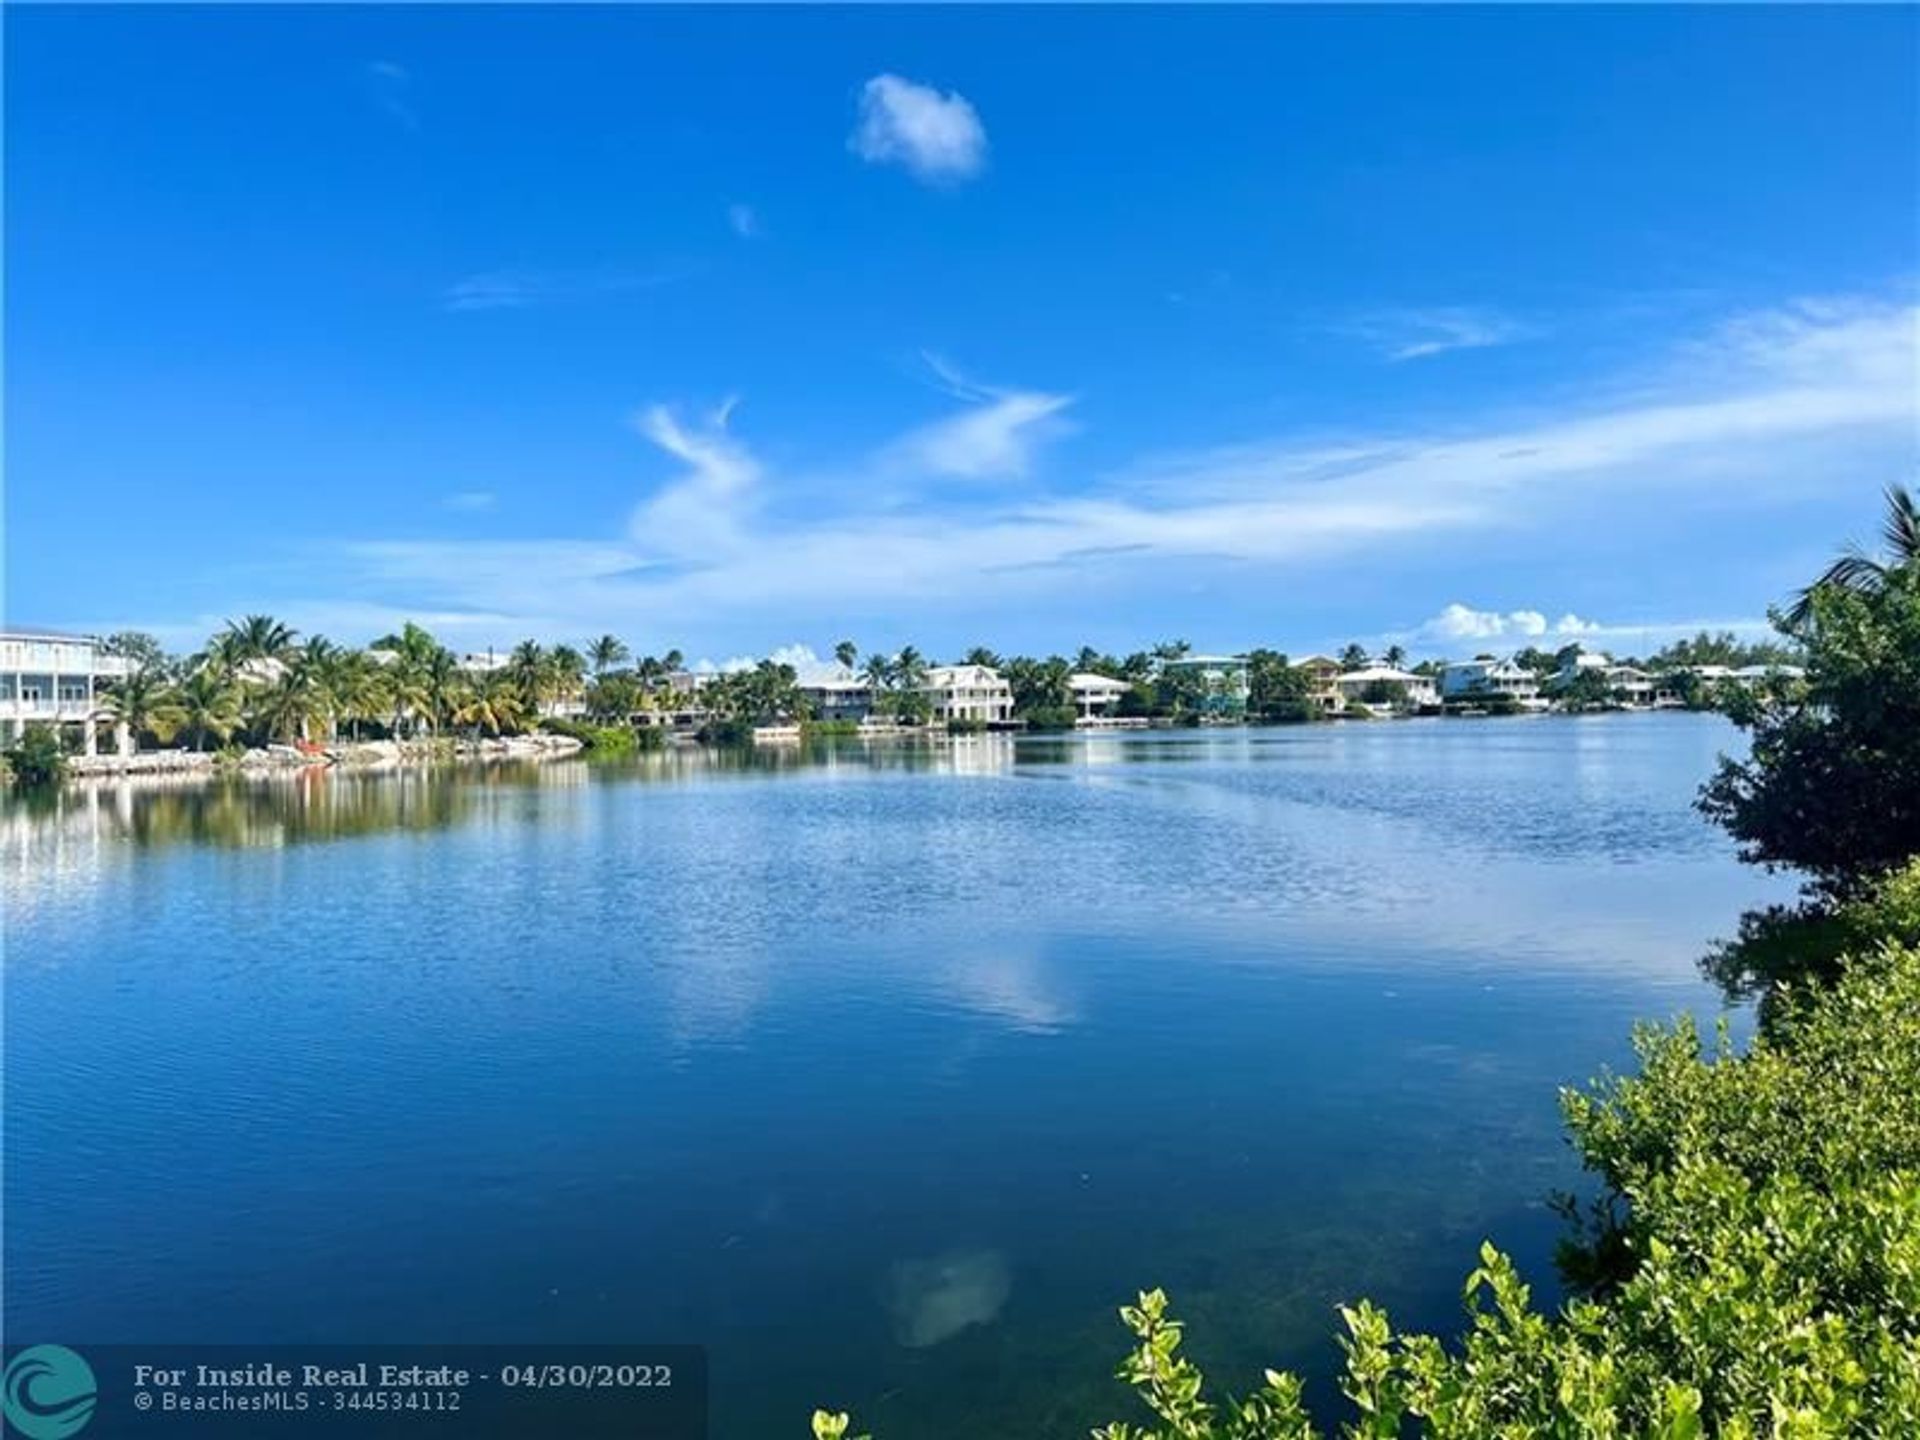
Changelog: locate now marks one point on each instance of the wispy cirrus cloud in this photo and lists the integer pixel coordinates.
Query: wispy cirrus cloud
(391, 87)
(1764, 406)
(470, 500)
(699, 514)
(743, 220)
(512, 289)
(936, 138)
(994, 438)
(1418, 334)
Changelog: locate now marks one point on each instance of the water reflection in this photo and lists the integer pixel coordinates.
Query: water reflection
(956, 1044)
(46, 828)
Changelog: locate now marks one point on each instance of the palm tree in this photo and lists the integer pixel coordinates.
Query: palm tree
(1858, 571)
(222, 655)
(440, 685)
(322, 665)
(209, 704)
(145, 704)
(607, 652)
(567, 672)
(409, 673)
(260, 637)
(360, 689)
(981, 655)
(909, 669)
(1354, 657)
(287, 708)
(846, 652)
(494, 705)
(531, 673)
(1395, 658)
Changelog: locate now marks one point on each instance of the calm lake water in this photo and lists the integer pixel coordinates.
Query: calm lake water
(885, 1073)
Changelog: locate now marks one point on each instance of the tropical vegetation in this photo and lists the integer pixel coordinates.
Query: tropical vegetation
(1831, 786)
(36, 759)
(258, 681)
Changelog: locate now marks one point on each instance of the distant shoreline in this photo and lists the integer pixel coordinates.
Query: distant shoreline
(375, 756)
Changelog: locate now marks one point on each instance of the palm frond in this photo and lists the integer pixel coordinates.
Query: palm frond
(1855, 570)
(1901, 531)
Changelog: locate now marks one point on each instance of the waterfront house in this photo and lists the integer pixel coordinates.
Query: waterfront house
(834, 692)
(1626, 683)
(1323, 689)
(1485, 677)
(970, 694)
(1096, 698)
(48, 677)
(1384, 688)
(1224, 684)
(1747, 677)
(1752, 675)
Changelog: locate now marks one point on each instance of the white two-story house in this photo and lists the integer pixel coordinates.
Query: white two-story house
(51, 678)
(1484, 677)
(970, 694)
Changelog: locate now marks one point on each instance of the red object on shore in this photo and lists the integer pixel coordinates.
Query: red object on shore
(307, 747)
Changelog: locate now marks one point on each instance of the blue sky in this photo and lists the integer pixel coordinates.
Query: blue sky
(742, 329)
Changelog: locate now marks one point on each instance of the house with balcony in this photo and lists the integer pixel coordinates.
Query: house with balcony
(1385, 689)
(1628, 684)
(1486, 677)
(835, 692)
(1223, 683)
(1096, 699)
(968, 694)
(1753, 675)
(48, 677)
(1323, 690)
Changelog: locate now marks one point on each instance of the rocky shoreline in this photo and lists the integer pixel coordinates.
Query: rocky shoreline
(359, 755)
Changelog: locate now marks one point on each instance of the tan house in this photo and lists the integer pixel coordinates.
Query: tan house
(1323, 687)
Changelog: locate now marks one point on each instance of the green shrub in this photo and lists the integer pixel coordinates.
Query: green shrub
(1291, 712)
(1051, 717)
(1831, 786)
(602, 740)
(1753, 1269)
(965, 726)
(37, 758)
(830, 729)
(726, 732)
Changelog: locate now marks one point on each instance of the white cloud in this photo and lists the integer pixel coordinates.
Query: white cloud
(390, 85)
(1774, 406)
(1461, 622)
(470, 500)
(698, 514)
(495, 290)
(995, 438)
(801, 657)
(1420, 333)
(1423, 333)
(743, 219)
(518, 289)
(938, 138)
